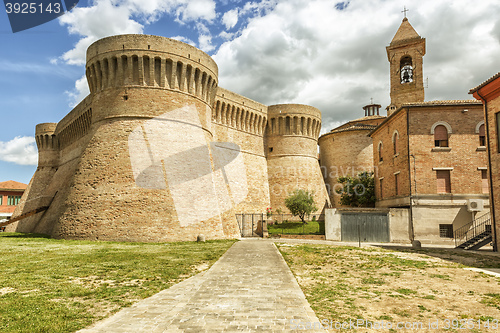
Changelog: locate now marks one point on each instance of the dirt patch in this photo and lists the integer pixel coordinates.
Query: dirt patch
(380, 285)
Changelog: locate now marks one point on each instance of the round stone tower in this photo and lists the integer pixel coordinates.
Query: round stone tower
(48, 145)
(292, 154)
(147, 167)
(348, 150)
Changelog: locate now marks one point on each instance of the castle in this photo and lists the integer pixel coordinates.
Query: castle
(158, 152)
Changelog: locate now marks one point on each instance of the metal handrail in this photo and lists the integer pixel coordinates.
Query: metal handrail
(472, 229)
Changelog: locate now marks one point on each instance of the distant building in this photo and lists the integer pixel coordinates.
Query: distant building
(10, 195)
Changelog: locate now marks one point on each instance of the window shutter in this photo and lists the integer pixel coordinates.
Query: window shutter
(443, 181)
(481, 130)
(484, 180)
(440, 133)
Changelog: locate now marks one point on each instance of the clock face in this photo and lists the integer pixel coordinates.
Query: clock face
(406, 74)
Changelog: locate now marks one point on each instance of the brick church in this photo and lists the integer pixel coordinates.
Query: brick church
(428, 157)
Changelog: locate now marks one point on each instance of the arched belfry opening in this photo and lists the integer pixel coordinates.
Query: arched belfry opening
(406, 69)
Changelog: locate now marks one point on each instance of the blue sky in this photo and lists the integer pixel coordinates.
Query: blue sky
(329, 54)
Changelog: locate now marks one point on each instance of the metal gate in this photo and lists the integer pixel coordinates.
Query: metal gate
(369, 227)
(248, 224)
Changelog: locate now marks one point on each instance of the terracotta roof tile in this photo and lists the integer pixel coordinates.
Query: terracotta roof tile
(12, 185)
(354, 127)
(447, 102)
(493, 78)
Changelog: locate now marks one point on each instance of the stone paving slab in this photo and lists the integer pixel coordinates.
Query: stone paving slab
(249, 289)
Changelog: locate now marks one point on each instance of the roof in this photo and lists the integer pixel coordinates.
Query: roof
(428, 103)
(12, 185)
(405, 32)
(446, 102)
(493, 78)
(354, 127)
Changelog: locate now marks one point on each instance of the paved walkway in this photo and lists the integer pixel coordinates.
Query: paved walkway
(250, 289)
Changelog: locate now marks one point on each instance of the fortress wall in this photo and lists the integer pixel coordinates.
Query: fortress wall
(255, 168)
(242, 121)
(292, 156)
(35, 195)
(100, 193)
(105, 201)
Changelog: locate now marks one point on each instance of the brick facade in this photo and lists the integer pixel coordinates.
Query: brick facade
(489, 93)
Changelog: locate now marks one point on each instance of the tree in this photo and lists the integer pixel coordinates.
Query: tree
(357, 191)
(301, 203)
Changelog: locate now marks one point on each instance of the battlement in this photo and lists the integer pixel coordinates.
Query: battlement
(151, 61)
(239, 112)
(76, 123)
(294, 119)
(45, 137)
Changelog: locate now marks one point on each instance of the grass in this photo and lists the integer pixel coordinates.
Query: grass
(348, 283)
(297, 228)
(49, 285)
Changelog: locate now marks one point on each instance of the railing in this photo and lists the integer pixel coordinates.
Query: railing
(473, 229)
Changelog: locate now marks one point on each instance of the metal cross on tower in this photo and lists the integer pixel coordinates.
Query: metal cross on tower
(405, 10)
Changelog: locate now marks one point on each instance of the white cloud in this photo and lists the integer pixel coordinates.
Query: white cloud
(20, 150)
(310, 52)
(113, 17)
(205, 42)
(230, 18)
(80, 91)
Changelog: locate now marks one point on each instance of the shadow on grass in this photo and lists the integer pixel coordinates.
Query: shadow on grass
(478, 259)
(21, 235)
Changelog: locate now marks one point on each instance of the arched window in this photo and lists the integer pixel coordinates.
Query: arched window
(380, 146)
(440, 136)
(482, 136)
(406, 69)
(395, 139)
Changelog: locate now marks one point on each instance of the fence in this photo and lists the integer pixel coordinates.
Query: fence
(284, 224)
(248, 224)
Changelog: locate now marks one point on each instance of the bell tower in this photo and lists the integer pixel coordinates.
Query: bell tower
(405, 55)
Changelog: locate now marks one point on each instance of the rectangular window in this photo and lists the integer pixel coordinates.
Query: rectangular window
(446, 230)
(396, 183)
(484, 181)
(443, 181)
(1, 200)
(381, 189)
(13, 200)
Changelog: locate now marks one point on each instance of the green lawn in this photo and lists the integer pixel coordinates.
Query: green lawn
(297, 228)
(49, 285)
